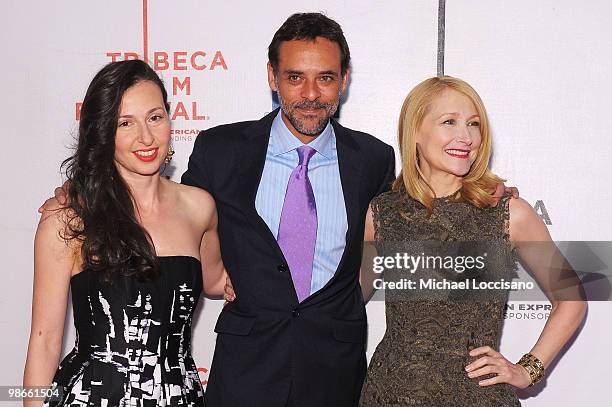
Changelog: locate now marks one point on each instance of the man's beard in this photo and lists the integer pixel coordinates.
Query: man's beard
(301, 125)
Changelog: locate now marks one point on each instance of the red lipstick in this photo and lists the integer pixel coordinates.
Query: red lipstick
(146, 155)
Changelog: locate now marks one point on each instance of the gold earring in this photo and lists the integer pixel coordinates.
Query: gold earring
(169, 155)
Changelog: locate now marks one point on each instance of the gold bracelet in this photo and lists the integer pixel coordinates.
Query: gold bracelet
(534, 367)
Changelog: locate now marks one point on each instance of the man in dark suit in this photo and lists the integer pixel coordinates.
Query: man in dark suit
(292, 191)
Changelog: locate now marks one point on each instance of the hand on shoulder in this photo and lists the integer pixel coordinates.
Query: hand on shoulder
(501, 190)
(55, 215)
(53, 241)
(51, 205)
(60, 198)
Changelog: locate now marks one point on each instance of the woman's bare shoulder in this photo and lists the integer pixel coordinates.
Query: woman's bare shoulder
(525, 223)
(56, 215)
(196, 201)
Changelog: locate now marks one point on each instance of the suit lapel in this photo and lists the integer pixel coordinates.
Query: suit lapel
(251, 155)
(349, 163)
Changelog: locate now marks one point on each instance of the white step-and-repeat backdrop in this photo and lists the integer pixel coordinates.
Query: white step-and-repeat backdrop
(541, 67)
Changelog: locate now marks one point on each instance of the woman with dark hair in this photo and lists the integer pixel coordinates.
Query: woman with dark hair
(132, 247)
(441, 345)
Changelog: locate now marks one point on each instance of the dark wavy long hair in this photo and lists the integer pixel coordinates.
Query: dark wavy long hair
(102, 214)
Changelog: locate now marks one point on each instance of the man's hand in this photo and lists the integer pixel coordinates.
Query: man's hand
(60, 198)
(229, 295)
(501, 189)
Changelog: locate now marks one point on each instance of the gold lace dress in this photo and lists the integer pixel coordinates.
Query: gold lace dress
(421, 358)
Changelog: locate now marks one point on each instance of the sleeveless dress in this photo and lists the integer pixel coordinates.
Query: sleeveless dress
(133, 342)
(421, 359)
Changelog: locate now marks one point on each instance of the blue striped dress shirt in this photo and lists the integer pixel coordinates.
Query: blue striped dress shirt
(324, 175)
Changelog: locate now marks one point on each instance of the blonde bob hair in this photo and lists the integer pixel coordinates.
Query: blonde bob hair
(479, 183)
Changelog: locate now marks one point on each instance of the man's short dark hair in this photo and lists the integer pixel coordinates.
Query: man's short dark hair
(309, 26)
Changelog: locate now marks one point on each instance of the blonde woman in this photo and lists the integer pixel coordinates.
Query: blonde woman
(440, 351)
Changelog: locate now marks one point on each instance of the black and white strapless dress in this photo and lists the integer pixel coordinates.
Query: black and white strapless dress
(133, 344)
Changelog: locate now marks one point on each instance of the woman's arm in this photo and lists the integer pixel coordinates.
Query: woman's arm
(543, 259)
(201, 212)
(366, 273)
(213, 271)
(539, 254)
(54, 260)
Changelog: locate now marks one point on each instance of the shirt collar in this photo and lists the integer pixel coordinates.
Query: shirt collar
(284, 141)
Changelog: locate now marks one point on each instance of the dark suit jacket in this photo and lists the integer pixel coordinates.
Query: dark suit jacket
(268, 344)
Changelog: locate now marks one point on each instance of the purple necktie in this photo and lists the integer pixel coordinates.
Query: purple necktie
(297, 232)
